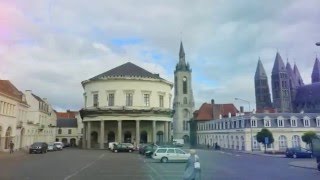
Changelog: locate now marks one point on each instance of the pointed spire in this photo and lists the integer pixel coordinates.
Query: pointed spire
(278, 65)
(316, 71)
(181, 52)
(260, 72)
(291, 75)
(297, 75)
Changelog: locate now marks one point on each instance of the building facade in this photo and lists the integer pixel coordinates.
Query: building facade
(239, 132)
(69, 128)
(126, 104)
(289, 92)
(183, 103)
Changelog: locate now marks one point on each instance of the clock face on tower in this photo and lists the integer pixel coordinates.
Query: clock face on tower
(184, 79)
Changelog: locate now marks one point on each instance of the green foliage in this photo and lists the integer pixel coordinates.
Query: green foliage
(263, 134)
(308, 136)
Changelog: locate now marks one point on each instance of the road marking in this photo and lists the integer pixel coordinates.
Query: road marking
(83, 168)
(153, 170)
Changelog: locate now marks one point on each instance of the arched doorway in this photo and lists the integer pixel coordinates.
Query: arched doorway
(143, 137)
(111, 136)
(94, 137)
(8, 138)
(127, 137)
(159, 137)
(186, 138)
(73, 142)
(21, 138)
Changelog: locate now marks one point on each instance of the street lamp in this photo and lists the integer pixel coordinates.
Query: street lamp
(250, 120)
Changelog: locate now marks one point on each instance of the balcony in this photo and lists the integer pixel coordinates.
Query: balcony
(41, 127)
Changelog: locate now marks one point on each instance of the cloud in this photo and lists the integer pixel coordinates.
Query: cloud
(51, 46)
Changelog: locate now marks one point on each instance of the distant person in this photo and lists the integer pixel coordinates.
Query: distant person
(208, 146)
(11, 145)
(192, 170)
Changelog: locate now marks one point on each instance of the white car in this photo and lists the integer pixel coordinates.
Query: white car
(170, 154)
(59, 145)
(110, 146)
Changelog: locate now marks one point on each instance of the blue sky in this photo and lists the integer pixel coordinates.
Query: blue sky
(56, 44)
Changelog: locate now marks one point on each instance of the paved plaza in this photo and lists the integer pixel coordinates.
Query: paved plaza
(74, 164)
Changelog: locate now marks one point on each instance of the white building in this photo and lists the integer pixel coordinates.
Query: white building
(237, 132)
(183, 104)
(126, 104)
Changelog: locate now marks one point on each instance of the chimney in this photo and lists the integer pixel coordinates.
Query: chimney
(229, 115)
(28, 91)
(212, 101)
(241, 109)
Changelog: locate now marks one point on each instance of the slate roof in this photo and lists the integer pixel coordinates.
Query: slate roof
(278, 65)
(38, 98)
(66, 115)
(181, 52)
(127, 70)
(69, 122)
(213, 111)
(308, 93)
(291, 75)
(298, 76)
(316, 70)
(260, 72)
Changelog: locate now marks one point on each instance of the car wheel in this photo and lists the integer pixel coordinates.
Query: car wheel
(130, 150)
(115, 151)
(164, 160)
(294, 156)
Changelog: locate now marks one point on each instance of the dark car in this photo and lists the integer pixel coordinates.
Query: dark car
(150, 149)
(142, 148)
(38, 147)
(122, 147)
(298, 153)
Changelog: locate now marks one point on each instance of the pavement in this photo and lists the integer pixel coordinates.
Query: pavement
(308, 164)
(16, 154)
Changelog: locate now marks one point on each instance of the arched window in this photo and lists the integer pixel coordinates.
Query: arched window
(185, 101)
(282, 142)
(295, 141)
(184, 85)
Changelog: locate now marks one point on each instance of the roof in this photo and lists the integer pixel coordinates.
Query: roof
(308, 93)
(298, 76)
(127, 70)
(7, 88)
(291, 75)
(38, 98)
(278, 65)
(316, 71)
(260, 72)
(181, 52)
(66, 115)
(69, 122)
(213, 111)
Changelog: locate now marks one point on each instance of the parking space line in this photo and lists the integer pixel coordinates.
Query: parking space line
(83, 168)
(153, 170)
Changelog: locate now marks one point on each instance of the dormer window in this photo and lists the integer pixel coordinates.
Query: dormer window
(280, 123)
(306, 122)
(253, 123)
(267, 123)
(293, 123)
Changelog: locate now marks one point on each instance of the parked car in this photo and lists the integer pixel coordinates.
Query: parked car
(170, 154)
(298, 153)
(52, 147)
(111, 145)
(129, 145)
(142, 148)
(122, 147)
(38, 147)
(178, 142)
(150, 149)
(59, 145)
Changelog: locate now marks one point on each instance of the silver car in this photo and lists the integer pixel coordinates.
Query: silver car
(170, 154)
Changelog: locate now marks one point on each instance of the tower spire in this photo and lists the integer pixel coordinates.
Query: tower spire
(315, 77)
(181, 52)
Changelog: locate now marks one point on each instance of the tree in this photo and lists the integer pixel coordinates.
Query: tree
(263, 135)
(308, 136)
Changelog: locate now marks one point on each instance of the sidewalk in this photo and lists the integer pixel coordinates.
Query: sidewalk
(17, 153)
(308, 164)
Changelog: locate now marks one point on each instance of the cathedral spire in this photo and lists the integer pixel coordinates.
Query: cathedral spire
(316, 71)
(181, 52)
(278, 65)
(182, 65)
(298, 76)
(260, 72)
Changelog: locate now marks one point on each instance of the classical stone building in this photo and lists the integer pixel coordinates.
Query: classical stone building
(183, 103)
(239, 132)
(126, 104)
(289, 92)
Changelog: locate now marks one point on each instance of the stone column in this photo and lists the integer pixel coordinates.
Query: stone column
(102, 134)
(169, 131)
(154, 133)
(119, 130)
(84, 135)
(165, 134)
(89, 135)
(137, 133)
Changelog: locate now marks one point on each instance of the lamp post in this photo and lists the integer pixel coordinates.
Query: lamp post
(250, 120)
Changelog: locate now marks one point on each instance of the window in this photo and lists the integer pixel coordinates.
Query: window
(267, 123)
(178, 151)
(185, 126)
(293, 123)
(129, 98)
(161, 101)
(283, 142)
(95, 100)
(146, 99)
(170, 151)
(280, 123)
(306, 122)
(295, 141)
(253, 123)
(184, 85)
(69, 131)
(111, 99)
(59, 131)
(318, 122)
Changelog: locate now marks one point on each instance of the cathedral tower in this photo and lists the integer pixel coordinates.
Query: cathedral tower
(263, 99)
(316, 71)
(280, 86)
(183, 104)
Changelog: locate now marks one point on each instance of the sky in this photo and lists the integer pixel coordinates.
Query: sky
(51, 46)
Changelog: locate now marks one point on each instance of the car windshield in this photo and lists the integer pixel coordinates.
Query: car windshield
(160, 89)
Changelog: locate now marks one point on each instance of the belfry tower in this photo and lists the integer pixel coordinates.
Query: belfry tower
(183, 103)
